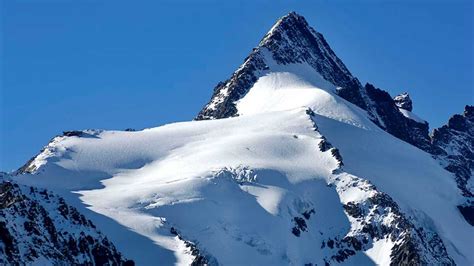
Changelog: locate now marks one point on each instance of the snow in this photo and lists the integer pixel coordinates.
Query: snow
(295, 86)
(233, 186)
(150, 180)
(269, 197)
(412, 177)
(40, 222)
(411, 116)
(380, 252)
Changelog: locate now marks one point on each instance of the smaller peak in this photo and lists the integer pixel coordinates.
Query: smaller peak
(404, 101)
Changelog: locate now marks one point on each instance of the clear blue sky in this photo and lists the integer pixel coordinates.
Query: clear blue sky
(69, 64)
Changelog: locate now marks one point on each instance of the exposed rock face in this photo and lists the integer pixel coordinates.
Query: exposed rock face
(454, 148)
(37, 226)
(290, 41)
(200, 259)
(404, 101)
(394, 122)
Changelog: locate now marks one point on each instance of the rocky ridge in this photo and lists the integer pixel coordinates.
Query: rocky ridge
(37, 226)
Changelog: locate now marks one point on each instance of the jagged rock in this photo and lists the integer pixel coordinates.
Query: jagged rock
(300, 226)
(454, 148)
(53, 231)
(454, 145)
(200, 259)
(394, 122)
(307, 214)
(404, 101)
(73, 133)
(468, 213)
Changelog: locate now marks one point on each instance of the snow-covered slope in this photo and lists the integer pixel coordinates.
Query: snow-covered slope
(242, 185)
(258, 185)
(301, 176)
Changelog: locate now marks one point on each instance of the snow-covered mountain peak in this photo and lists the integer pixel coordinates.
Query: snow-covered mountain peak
(291, 40)
(290, 44)
(308, 168)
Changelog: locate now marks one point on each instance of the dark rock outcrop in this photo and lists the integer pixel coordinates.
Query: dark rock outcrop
(404, 101)
(36, 226)
(468, 213)
(454, 148)
(394, 122)
(200, 259)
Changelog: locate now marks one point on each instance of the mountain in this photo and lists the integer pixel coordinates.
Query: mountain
(290, 42)
(293, 161)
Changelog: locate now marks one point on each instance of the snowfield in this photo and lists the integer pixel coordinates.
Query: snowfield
(237, 188)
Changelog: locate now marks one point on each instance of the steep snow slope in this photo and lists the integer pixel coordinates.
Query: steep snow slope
(292, 86)
(416, 181)
(258, 185)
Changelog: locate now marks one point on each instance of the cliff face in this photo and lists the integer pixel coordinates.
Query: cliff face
(37, 226)
(454, 147)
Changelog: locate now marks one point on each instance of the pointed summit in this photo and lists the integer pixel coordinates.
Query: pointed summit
(287, 22)
(290, 41)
